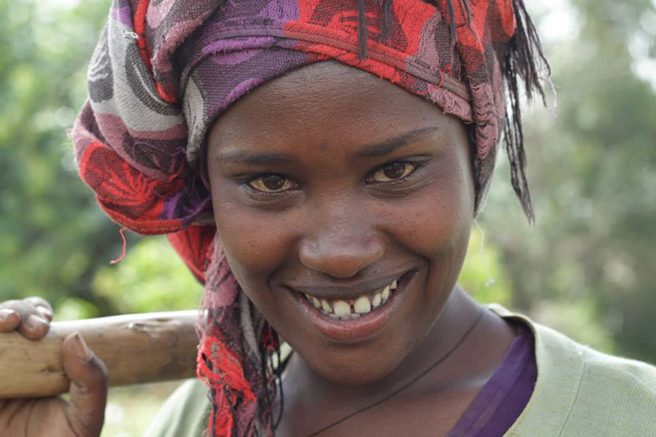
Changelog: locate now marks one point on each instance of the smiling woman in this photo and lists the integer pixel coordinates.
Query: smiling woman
(364, 201)
(318, 165)
(375, 192)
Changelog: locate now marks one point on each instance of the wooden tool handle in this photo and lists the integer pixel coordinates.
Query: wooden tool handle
(136, 348)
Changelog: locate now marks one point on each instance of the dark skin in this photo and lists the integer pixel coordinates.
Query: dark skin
(346, 180)
(83, 414)
(360, 180)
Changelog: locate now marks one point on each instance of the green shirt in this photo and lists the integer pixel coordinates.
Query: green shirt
(579, 392)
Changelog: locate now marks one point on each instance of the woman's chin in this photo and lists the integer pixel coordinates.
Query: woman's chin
(358, 366)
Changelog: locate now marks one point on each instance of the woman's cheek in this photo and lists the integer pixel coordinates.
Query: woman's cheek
(430, 222)
(256, 242)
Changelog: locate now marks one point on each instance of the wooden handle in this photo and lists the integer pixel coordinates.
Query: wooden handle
(136, 348)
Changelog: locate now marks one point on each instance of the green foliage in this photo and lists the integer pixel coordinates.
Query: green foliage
(74, 308)
(578, 319)
(52, 236)
(483, 275)
(150, 278)
(590, 260)
(130, 409)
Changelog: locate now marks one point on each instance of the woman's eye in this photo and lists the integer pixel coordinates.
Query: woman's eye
(271, 183)
(393, 172)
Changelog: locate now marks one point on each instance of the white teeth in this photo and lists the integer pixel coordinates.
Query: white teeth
(342, 309)
(376, 301)
(314, 301)
(362, 305)
(386, 294)
(326, 306)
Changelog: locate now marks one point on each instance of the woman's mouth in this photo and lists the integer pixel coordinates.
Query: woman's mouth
(347, 309)
(357, 318)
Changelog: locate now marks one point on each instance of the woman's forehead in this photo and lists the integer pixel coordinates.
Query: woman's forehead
(325, 100)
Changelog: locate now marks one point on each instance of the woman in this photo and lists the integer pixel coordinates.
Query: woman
(318, 166)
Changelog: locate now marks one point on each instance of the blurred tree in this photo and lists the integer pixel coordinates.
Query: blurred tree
(52, 235)
(151, 278)
(588, 266)
(483, 274)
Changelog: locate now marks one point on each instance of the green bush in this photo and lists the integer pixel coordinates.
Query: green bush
(151, 278)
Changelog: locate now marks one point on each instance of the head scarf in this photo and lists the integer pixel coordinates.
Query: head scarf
(164, 70)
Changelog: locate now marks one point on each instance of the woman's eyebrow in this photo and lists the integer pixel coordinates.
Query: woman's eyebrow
(391, 144)
(255, 159)
(369, 151)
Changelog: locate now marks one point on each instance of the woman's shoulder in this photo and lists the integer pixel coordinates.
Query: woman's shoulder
(636, 377)
(581, 391)
(184, 414)
(553, 347)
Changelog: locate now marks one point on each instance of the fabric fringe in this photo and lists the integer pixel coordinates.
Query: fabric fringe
(242, 391)
(524, 59)
(233, 358)
(222, 371)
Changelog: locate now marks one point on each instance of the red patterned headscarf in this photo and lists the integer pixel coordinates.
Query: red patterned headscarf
(164, 70)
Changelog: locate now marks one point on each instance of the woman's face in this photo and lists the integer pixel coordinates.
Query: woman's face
(334, 189)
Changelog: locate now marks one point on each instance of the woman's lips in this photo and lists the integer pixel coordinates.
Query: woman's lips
(357, 329)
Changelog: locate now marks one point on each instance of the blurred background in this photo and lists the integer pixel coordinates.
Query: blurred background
(587, 268)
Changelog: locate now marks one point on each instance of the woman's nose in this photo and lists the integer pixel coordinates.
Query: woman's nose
(341, 247)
